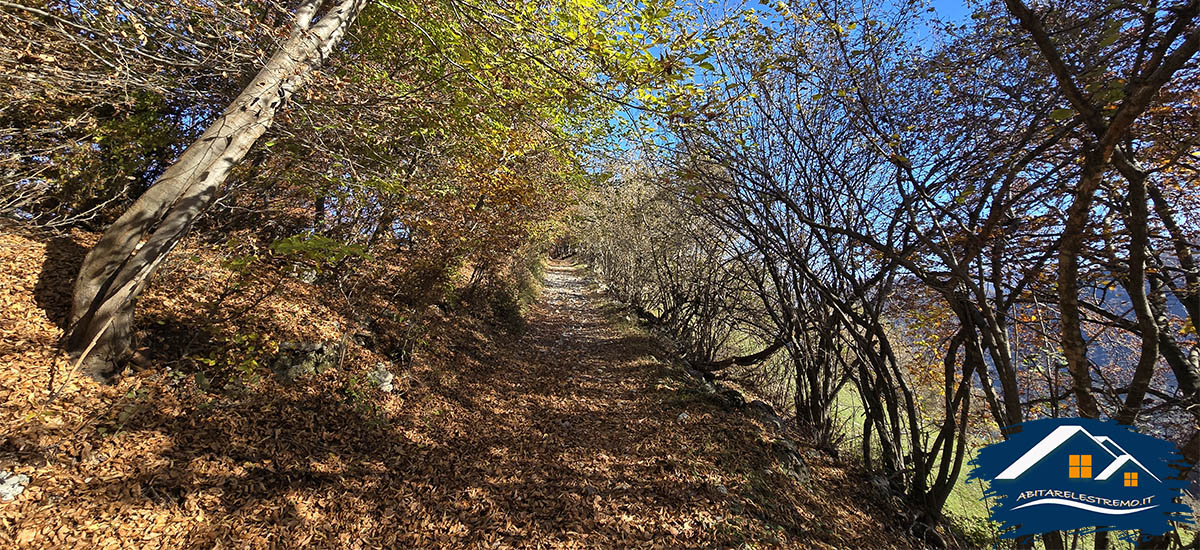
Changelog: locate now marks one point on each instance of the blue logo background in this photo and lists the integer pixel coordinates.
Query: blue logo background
(1070, 473)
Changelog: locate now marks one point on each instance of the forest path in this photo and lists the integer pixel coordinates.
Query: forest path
(602, 457)
(577, 434)
(571, 433)
(587, 440)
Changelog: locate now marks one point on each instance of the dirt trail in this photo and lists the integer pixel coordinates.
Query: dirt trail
(599, 446)
(586, 438)
(569, 434)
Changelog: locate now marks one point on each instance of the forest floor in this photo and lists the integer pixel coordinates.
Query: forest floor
(573, 432)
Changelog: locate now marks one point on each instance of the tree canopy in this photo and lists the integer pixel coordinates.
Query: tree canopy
(910, 234)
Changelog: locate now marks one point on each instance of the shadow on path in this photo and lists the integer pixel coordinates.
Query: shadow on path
(569, 435)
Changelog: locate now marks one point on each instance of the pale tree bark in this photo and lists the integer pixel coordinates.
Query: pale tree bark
(117, 269)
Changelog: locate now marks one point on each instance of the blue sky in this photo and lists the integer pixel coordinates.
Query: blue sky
(951, 9)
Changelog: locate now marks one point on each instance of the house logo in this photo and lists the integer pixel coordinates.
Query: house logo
(1073, 473)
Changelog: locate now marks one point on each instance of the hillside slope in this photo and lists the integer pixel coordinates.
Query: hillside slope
(567, 434)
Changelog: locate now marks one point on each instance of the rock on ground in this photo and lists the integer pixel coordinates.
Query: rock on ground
(11, 486)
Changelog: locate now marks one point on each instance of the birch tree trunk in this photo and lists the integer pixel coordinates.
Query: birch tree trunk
(115, 272)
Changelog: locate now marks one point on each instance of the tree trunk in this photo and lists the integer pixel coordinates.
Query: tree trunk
(1173, 49)
(116, 271)
(1073, 344)
(1137, 220)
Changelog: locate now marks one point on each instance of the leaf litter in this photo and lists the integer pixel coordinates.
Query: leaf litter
(569, 434)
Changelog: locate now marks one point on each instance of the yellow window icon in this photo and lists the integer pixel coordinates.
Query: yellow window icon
(1131, 479)
(1080, 467)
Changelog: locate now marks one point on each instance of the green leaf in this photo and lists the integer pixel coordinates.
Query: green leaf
(1062, 114)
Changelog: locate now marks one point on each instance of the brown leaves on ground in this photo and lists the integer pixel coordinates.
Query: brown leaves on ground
(566, 436)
